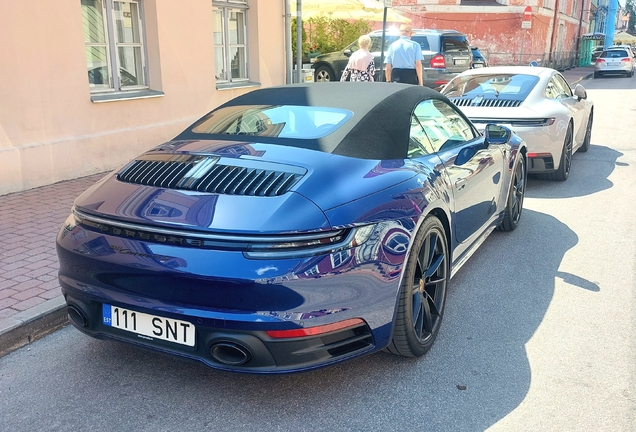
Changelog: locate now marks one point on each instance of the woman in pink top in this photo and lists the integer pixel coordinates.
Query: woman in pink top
(361, 66)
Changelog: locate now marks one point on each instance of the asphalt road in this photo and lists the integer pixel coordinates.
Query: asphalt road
(539, 334)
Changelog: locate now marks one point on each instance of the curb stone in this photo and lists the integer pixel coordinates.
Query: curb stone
(30, 325)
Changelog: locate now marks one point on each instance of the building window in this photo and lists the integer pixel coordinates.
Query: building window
(575, 9)
(563, 6)
(548, 4)
(230, 41)
(113, 35)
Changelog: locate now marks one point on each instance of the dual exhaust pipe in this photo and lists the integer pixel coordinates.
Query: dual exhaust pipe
(225, 352)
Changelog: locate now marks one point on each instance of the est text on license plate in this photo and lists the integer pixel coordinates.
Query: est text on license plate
(150, 327)
(460, 62)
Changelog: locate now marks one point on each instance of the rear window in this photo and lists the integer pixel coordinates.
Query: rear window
(376, 45)
(614, 54)
(282, 121)
(513, 86)
(455, 44)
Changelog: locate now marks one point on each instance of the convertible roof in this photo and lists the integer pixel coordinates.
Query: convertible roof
(378, 129)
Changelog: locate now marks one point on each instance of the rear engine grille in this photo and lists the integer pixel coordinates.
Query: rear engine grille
(490, 103)
(207, 174)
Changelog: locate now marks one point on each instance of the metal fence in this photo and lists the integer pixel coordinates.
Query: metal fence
(558, 61)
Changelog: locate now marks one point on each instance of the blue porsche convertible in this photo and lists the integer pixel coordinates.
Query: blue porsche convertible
(292, 227)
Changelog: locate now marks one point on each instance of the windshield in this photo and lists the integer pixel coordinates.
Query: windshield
(514, 86)
(455, 44)
(615, 53)
(283, 121)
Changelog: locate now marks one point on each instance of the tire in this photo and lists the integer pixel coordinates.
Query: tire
(565, 164)
(324, 74)
(514, 203)
(423, 292)
(588, 134)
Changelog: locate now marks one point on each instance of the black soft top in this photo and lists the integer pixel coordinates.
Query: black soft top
(378, 129)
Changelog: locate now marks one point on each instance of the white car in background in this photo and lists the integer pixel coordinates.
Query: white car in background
(537, 103)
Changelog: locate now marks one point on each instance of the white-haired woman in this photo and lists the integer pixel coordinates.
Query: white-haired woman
(361, 66)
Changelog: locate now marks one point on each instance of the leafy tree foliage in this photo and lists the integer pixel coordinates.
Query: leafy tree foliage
(325, 35)
(631, 8)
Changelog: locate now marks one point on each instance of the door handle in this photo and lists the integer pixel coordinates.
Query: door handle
(460, 183)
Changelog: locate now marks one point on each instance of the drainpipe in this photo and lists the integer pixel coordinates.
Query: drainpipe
(299, 40)
(578, 31)
(555, 23)
(288, 46)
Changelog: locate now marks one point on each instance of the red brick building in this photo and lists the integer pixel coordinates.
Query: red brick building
(495, 26)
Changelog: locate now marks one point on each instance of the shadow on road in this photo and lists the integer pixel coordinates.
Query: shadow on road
(477, 372)
(587, 181)
(609, 82)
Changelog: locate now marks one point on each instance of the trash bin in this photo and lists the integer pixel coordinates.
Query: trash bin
(306, 75)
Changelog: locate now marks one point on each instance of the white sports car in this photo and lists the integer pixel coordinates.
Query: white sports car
(537, 103)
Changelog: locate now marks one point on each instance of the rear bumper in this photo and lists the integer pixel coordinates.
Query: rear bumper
(226, 346)
(233, 301)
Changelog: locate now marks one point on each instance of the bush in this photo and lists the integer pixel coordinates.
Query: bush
(327, 35)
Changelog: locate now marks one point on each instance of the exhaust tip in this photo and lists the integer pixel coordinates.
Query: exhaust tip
(76, 315)
(230, 353)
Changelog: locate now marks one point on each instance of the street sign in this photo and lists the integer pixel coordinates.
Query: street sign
(527, 14)
(388, 3)
(526, 24)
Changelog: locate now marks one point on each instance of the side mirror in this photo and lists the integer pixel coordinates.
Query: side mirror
(579, 92)
(347, 52)
(496, 134)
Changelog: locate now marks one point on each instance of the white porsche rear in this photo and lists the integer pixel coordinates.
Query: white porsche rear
(537, 103)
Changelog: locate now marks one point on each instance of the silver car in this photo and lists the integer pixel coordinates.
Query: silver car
(615, 61)
(537, 103)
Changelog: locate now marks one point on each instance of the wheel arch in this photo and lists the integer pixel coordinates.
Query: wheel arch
(318, 65)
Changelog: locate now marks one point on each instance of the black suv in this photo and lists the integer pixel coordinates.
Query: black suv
(446, 54)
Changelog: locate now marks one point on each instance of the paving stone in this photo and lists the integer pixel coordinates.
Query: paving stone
(27, 304)
(27, 294)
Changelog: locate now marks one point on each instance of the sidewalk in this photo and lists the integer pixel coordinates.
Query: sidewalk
(31, 304)
(576, 75)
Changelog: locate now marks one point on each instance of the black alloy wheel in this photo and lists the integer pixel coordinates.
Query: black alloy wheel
(323, 74)
(565, 164)
(514, 204)
(423, 291)
(588, 134)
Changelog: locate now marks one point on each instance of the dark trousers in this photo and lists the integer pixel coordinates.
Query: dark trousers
(404, 76)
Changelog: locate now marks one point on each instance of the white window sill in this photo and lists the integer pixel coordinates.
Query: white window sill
(240, 84)
(114, 97)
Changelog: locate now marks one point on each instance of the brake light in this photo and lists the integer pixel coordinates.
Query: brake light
(600, 60)
(314, 331)
(438, 62)
(626, 59)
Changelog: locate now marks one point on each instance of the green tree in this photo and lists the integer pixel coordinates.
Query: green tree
(631, 24)
(328, 35)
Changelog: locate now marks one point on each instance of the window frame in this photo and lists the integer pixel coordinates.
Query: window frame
(226, 7)
(111, 44)
(447, 143)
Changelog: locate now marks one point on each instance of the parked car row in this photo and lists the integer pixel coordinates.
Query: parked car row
(298, 226)
(292, 227)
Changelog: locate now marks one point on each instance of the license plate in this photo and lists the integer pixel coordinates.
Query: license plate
(460, 62)
(149, 327)
(613, 64)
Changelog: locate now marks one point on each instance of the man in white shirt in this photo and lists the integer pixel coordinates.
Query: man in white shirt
(403, 62)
